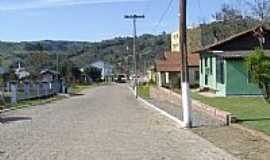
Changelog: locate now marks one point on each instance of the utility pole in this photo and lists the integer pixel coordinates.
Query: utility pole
(134, 18)
(57, 62)
(186, 100)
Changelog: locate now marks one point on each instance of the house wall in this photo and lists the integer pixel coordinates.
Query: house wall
(237, 79)
(219, 88)
(192, 75)
(163, 78)
(175, 78)
(100, 65)
(47, 77)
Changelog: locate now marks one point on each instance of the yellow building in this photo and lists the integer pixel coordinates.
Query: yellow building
(175, 46)
(194, 38)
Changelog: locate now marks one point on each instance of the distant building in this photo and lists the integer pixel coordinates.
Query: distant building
(47, 75)
(175, 46)
(106, 68)
(169, 69)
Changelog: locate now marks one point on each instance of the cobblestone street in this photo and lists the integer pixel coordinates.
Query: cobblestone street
(106, 123)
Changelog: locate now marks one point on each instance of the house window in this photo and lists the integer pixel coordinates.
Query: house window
(220, 71)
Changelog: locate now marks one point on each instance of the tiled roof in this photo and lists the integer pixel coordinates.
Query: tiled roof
(172, 62)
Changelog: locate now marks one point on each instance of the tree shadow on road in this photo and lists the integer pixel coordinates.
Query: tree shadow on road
(4, 120)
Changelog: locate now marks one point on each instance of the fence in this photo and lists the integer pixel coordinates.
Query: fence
(27, 90)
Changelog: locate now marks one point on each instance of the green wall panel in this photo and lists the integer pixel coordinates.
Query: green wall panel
(237, 79)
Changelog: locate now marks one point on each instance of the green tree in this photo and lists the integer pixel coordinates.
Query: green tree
(228, 14)
(259, 69)
(94, 73)
(37, 61)
(66, 67)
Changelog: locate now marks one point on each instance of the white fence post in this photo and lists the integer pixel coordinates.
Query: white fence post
(27, 89)
(13, 92)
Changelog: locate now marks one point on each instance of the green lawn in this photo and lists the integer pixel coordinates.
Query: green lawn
(144, 91)
(252, 112)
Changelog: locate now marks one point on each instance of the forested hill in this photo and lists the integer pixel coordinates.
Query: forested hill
(117, 51)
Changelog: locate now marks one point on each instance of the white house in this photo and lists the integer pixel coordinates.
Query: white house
(106, 68)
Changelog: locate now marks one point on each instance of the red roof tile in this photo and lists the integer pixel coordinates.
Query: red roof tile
(172, 62)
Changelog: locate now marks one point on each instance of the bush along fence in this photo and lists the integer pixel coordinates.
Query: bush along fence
(15, 92)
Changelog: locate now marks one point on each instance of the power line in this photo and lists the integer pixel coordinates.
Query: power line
(163, 14)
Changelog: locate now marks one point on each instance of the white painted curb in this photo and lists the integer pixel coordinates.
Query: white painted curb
(179, 122)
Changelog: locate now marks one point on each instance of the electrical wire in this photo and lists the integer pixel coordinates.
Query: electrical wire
(163, 14)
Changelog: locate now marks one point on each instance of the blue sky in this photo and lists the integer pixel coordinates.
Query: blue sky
(93, 20)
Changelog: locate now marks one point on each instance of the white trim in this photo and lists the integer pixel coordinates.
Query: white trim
(186, 104)
(167, 78)
(159, 79)
(217, 51)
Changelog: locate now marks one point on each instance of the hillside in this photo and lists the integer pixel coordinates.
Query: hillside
(80, 54)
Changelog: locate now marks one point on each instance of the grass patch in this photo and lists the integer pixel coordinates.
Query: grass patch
(144, 91)
(77, 88)
(252, 112)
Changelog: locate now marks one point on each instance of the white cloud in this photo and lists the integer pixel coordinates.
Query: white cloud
(34, 4)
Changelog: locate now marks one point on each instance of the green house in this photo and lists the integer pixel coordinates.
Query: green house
(222, 65)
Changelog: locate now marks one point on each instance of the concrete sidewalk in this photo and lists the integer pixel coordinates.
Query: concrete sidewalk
(199, 119)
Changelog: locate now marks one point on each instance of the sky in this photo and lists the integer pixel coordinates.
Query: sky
(94, 20)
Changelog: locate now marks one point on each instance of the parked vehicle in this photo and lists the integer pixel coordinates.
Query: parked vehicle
(121, 78)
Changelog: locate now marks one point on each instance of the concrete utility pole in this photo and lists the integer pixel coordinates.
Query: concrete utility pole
(57, 62)
(186, 100)
(134, 18)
